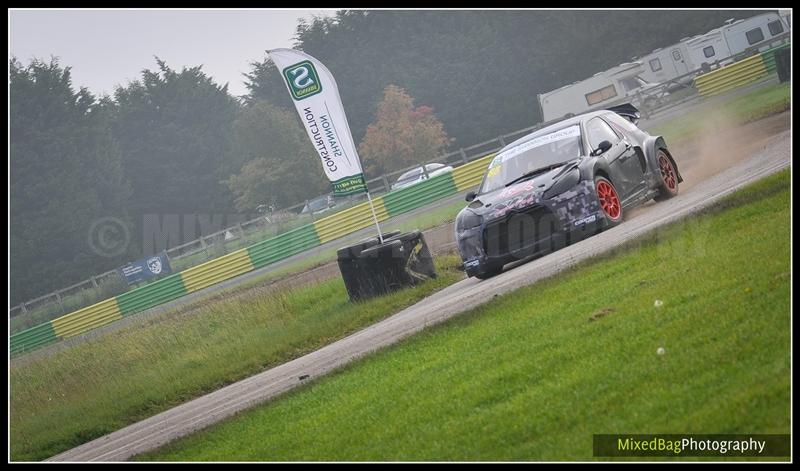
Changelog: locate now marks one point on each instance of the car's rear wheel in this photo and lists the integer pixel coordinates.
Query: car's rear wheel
(668, 187)
(609, 200)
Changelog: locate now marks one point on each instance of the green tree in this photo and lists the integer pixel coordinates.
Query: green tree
(65, 176)
(279, 166)
(175, 133)
(481, 70)
(401, 135)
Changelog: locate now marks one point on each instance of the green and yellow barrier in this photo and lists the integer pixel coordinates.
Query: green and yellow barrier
(88, 318)
(350, 220)
(470, 175)
(738, 74)
(217, 270)
(251, 258)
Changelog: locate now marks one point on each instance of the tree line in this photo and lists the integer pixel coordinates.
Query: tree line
(414, 85)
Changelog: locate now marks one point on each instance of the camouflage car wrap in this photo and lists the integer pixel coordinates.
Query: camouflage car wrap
(532, 223)
(560, 205)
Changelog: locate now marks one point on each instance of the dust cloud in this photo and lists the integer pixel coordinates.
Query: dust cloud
(721, 144)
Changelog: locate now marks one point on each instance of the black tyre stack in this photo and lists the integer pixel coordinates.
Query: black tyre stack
(371, 269)
(783, 60)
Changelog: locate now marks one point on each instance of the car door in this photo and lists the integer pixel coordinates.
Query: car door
(638, 165)
(621, 157)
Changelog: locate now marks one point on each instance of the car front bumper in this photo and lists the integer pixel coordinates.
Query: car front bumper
(531, 226)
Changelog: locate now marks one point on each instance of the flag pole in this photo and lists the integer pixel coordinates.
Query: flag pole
(374, 217)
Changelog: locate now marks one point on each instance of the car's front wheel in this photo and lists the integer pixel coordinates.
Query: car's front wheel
(609, 200)
(668, 187)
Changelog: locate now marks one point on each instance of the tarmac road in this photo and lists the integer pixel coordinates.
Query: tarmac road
(772, 155)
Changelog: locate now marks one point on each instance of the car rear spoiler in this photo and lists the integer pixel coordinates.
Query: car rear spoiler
(627, 111)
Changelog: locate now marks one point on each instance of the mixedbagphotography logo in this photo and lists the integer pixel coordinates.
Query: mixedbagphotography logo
(303, 80)
(716, 445)
(109, 237)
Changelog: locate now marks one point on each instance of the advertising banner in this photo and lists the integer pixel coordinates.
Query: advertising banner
(146, 268)
(316, 98)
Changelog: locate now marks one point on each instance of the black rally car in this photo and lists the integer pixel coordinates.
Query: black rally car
(560, 184)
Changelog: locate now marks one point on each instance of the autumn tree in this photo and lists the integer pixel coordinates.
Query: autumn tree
(401, 135)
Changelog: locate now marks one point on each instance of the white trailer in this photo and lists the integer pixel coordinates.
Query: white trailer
(602, 88)
(667, 63)
(707, 48)
(786, 15)
(753, 32)
(734, 37)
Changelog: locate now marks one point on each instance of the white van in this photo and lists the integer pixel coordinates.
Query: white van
(602, 88)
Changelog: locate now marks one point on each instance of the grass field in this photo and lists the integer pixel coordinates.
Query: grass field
(69, 397)
(532, 375)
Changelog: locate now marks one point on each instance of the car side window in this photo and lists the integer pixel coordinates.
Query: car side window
(621, 125)
(598, 131)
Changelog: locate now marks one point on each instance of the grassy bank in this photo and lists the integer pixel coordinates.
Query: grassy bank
(69, 397)
(532, 375)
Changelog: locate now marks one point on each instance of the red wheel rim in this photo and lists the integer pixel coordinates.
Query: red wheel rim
(609, 200)
(667, 172)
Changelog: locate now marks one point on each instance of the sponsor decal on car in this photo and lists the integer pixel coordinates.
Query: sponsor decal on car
(585, 220)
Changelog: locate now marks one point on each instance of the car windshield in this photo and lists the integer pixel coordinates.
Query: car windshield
(538, 153)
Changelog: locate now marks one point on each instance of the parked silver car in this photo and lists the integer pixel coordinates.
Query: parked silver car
(319, 205)
(416, 175)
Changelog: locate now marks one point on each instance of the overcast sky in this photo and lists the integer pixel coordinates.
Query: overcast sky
(108, 48)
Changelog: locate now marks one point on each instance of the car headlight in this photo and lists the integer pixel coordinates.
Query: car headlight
(467, 220)
(567, 181)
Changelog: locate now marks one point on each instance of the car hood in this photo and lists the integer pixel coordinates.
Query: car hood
(498, 203)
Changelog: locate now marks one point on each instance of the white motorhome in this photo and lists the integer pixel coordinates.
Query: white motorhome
(707, 48)
(736, 37)
(602, 88)
(787, 17)
(752, 32)
(667, 63)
